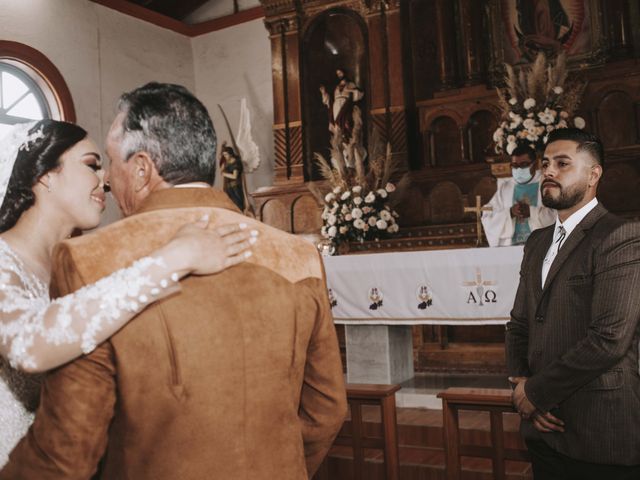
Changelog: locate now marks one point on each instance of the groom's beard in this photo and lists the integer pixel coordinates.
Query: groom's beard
(566, 198)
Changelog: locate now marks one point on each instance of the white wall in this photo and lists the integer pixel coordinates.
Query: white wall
(65, 31)
(231, 64)
(99, 52)
(132, 53)
(102, 53)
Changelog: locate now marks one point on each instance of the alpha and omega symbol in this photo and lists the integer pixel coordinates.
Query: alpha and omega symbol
(480, 294)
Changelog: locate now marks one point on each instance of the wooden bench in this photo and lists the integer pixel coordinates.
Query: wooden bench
(494, 401)
(377, 395)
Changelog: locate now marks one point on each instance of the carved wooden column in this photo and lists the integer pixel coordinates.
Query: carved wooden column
(464, 155)
(617, 23)
(634, 20)
(637, 109)
(287, 121)
(592, 115)
(446, 45)
(287, 204)
(432, 148)
(470, 14)
(386, 81)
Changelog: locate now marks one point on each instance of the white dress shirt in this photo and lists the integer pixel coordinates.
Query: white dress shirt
(192, 185)
(558, 240)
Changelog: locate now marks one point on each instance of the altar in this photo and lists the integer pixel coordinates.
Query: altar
(380, 296)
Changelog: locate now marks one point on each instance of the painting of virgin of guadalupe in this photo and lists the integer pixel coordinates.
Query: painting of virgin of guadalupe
(549, 26)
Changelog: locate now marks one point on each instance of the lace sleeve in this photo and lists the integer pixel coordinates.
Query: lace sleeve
(37, 334)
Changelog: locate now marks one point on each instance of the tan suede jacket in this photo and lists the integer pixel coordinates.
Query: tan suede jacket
(238, 376)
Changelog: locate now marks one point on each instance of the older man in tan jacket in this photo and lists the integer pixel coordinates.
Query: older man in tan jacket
(238, 376)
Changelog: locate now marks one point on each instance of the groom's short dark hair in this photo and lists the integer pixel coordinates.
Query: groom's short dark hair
(173, 127)
(586, 142)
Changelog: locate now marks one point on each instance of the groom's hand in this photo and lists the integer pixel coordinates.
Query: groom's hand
(547, 422)
(519, 398)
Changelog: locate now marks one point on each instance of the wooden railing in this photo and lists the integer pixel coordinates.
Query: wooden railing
(377, 395)
(494, 401)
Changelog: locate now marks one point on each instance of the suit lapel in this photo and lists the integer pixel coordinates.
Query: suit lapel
(572, 242)
(565, 251)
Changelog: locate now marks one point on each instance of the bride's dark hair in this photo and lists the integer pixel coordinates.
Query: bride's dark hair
(42, 156)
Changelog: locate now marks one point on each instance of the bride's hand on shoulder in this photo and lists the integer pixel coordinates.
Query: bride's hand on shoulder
(201, 249)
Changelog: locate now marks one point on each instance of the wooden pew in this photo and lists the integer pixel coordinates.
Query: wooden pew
(377, 395)
(494, 401)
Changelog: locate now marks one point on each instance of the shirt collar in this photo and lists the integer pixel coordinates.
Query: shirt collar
(193, 185)
(186, 198)
(575, 218)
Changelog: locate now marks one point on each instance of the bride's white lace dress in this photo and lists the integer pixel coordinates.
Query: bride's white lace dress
(18, 391)
(37, 334)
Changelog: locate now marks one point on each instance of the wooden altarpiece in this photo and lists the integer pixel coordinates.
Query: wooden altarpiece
(428, 69)
(309, 41)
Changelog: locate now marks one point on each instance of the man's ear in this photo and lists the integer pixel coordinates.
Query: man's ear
(144, 170)
(596, 175)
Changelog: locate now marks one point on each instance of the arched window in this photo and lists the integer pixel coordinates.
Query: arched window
(20, 98)
(31, 87)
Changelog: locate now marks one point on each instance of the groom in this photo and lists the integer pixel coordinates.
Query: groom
(236, 376)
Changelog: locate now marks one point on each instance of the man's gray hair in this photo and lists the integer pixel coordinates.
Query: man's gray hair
(173, 127)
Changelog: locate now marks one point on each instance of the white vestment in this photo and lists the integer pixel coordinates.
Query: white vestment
(499, 226)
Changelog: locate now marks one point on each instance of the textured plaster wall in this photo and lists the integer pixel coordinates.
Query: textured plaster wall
(231, 64)
(102, 53)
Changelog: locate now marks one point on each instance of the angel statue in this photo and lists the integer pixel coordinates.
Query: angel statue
(243, 157)
(231, 168)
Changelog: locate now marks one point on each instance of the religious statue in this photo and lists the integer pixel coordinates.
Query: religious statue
(236, 161)
(345, 116)
(231, 168)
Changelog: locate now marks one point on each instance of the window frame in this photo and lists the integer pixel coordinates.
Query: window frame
(32, 88)
(44, 74)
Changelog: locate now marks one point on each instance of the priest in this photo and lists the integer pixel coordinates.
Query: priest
(516, 207)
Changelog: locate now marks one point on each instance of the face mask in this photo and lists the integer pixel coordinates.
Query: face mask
(521, 175)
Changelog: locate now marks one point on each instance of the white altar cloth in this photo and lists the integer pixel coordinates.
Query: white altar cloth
(473, 286)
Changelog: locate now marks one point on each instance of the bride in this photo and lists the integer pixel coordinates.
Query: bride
(50, 185)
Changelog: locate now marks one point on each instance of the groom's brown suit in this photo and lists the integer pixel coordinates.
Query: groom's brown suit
(238, 376)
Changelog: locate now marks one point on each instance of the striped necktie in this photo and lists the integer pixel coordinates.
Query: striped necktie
(562, 233)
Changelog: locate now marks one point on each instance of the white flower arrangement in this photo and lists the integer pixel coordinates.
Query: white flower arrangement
(357, 208)
(535, 102)
(345, 220)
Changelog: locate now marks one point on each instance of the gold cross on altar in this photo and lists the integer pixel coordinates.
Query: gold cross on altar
(479, 282)
(478, 209)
